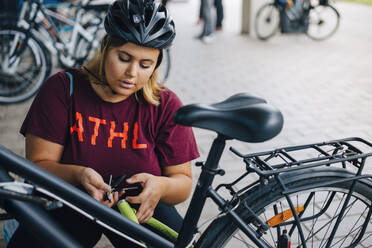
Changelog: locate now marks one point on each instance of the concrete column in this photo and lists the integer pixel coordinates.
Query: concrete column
(246, 16)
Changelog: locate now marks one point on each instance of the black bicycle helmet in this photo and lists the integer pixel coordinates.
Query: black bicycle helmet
(143, 22)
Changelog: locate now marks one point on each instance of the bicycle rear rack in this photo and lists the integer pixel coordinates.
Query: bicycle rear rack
(349, 153)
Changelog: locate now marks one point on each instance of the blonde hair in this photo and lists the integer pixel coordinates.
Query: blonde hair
(95, 70)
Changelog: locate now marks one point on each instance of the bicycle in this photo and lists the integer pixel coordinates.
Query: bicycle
(314, 195)
(319, 20)
(41, 33)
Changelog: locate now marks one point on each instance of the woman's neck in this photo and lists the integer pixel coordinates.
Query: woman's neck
(107, 94)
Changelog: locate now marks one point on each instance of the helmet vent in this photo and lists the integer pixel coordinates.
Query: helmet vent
(148, 15)
(158, 26)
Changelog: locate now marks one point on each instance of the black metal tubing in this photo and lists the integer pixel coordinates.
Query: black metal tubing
(300, 147)
(35, 174)
(198, 199)
(300, 215)
(35, 218)
(236, 218)
(297, 219)
(5, 193)
(302, 166)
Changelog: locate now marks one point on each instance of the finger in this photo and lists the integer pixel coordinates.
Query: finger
(122, 192)
(144, 211)
(140, 213)
(134, 199)
(116, 197)
(108, 203)
(101, 185)
(111, 197)
(89, 188)
(93, 192)
(146, 216)
(95, 179)
(137, 178)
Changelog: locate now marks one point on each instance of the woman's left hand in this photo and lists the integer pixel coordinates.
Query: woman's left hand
(153, 189)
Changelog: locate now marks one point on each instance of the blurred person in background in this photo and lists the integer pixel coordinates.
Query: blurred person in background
(219, 14)
(207, 35)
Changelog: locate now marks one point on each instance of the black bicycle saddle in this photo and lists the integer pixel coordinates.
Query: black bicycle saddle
(241, 116)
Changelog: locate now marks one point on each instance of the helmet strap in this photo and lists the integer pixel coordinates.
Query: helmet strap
(160, 58)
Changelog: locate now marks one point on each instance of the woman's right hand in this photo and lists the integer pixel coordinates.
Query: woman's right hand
(47, 155)
(96, 187)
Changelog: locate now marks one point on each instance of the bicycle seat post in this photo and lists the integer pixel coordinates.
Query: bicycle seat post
(200, 194)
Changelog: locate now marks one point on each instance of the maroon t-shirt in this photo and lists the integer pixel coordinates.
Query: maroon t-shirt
(112, 138)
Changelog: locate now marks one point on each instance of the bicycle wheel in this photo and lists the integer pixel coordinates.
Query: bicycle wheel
(322, 206)
(21, 75)
(267, 21)
(165, 66)
(84, 52)
(324, 21)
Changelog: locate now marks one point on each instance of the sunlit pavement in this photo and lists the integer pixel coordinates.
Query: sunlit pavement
(324, 89)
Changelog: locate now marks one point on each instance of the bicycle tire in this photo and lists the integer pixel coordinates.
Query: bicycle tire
(165, 67)
(32, 67)
(267, 21)
(262, 198)
(324, 21)
(83, 53)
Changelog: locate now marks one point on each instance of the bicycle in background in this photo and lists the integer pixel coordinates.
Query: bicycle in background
(314, 195)
(40, 32)
(318, 19)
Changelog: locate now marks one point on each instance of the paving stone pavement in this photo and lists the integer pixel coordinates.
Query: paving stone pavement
(324, 89)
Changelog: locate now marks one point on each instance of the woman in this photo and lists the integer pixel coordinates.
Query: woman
(111, 117)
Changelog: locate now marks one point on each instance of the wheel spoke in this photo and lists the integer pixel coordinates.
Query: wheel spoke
(241, 239)
(314, 221)
(359, 228)
(270, 230)
(330, 223)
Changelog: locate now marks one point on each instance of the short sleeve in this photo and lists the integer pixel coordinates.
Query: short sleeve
(175, 144)
(47, 117)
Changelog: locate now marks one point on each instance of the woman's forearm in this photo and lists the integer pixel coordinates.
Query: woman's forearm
(176, 189)
(68, 172)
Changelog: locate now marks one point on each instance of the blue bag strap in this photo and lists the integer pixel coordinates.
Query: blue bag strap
(71, 83)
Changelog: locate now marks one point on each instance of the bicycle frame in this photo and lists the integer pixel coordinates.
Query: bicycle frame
(56, 44)
(105, 216)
